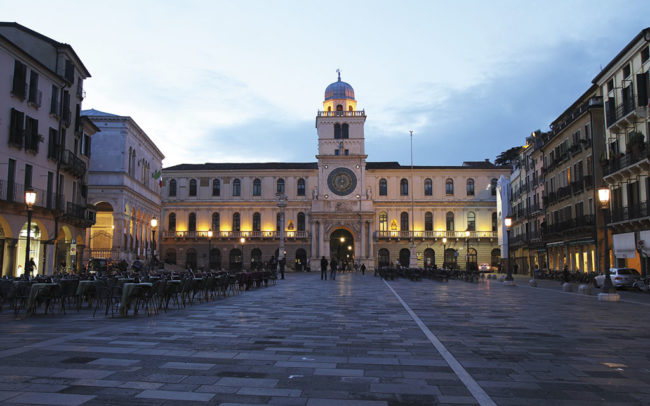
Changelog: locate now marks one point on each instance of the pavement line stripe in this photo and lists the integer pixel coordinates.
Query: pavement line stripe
(475, 389)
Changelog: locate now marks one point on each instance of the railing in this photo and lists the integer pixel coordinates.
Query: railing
(630, 213)
(577, 186)
(621, 110)
(257, 235)
(623, 161)
(588, 181)
(355, 113)
(563, 192)
(570, 118)
(429, 235)
(571, 224)
(72, 163)
(15, 192)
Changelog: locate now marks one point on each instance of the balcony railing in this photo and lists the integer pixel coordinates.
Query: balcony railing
(571, 225)
(632, 212)
(73, 164)
(629, 159)
(622, 110)
(430, 235)
(563, 192)
(15, 193)
(577, 186)
(216, 235)
(78, 215)
(355, 113)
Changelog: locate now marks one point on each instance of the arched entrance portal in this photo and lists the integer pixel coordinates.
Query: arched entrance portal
(342, 246)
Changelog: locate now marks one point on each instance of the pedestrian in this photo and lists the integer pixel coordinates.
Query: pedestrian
(32, 266)
(333, 269)
(363, 269)
(565, 273)
(323, 268)
(283, 263)
(308, 267)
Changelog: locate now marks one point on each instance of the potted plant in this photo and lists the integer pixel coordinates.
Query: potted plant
(636, 143)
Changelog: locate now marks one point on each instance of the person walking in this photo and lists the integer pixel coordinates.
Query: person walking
(323, 268)
(333, 269)
(283, 263)
(363, 269)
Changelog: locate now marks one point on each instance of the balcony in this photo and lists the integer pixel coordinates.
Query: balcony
(625, 114)
(78, 215)
(635, 212)
(361, 113)
(234, 235)
(571, 226)
(431, 235)
(577, 187)
(71, 163)
(533, 211)
(632, 164)
(588, 181)
(563, 192)
(13, 192)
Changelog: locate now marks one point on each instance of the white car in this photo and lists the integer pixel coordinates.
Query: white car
(484, 268)
(621, 277)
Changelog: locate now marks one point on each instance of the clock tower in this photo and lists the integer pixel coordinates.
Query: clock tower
(342, 211)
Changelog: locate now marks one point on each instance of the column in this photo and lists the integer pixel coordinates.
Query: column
(312, 235)
(321, 241)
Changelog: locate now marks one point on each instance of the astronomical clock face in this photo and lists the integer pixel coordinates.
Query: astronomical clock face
(342, 181)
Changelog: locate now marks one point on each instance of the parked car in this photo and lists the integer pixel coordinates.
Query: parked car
(484, 268)
(97, 265)
(621, 277)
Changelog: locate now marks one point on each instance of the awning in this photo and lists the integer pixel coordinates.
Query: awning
(645, 237)
(624, 245)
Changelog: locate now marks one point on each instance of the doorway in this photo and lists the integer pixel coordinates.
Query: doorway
(342, 246)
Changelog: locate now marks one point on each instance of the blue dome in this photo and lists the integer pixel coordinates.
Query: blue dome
(339, 90)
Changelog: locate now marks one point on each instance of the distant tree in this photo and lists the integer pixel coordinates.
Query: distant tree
(507, 157)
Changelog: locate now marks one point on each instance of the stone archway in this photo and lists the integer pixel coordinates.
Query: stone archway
(342, 245)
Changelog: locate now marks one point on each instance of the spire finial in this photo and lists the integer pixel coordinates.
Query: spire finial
(339, 72)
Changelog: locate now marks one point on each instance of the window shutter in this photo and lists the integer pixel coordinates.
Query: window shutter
(88, 147)
(642, 88)
(20, 76)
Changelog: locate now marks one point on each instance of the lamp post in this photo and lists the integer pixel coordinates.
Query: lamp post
(508, 281)
(444, 252)
(210, 234)
(413, 261)
(282, 204)
(467, 248)
(154, 224)
(608, 291)
(30, 199)
(242, 240)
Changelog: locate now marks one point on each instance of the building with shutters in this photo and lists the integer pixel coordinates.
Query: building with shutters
(45, 147)
(233, 215)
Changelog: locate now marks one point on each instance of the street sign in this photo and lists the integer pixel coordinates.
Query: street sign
(73, 248)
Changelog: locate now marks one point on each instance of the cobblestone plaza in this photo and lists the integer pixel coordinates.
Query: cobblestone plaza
(354, 341)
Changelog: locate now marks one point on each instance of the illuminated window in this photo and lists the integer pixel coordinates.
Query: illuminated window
(383, 221)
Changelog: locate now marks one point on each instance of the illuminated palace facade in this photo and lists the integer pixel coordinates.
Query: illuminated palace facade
(232, 215)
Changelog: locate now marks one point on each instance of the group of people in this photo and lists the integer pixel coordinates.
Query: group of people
(334, 266)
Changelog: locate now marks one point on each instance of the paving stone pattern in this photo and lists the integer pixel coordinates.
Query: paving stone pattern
(347, 342)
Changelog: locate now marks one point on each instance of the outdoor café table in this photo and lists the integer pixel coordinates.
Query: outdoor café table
(129, 292)
(84, 286)
(36, 290)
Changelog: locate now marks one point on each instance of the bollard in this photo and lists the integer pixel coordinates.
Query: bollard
(502, 278)
(585, 288)
(532, 283)
(567, 287)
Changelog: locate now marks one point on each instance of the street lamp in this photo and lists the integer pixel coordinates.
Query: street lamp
(210, 234)
(508, 224)
(154, 224)
(413, 260)
(608, 292)
(444, 252)
(242, 240)
(282, 204)
(30, 199)
(467, 253)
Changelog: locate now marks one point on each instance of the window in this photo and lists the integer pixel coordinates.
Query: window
(257, 222)
(33, 89)
(20, 80)
(493, 186)
(404, 187)
(645, 54)
(171, 223)
(384, 257)
(428, 187)
(610, 85)
(383, 221)
(301, 221)
(383, 187)
(216, 187)
(450, 221)
(470, 187)
(236, 222)
(192, 187)
(449, 187)
(69, 71)
(346, 130)
(216, 222)
(236, 187)
(494, 221)
(337, 131)
(280, 186)
(626, 70)
(16, 128)
(172, 188)
(257, 187)
(32, 138)
(54, 101)
(404, 221)
(471, 221)
(428, 221)
(191, 222)
(28, 176)
(301, 187)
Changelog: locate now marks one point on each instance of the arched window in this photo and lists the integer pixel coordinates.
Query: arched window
(450, 259)
(257, 222)
(346, 130)
(280, 186)
(190, 258)
(493, 186)
(256, 257)
(337, 130)
(236, 187)
(472, 257)
(236, 259)
(191, 222)
(495, 257)
(494, 221)
(428, 221)
(216, 222)
(428, 187)
(215, 258)
(470, 187)
(449, 186)
(257, 187)
(404, 221)
(170, 256)
(278, 222)
(384, 257)
(301, 221)
(429, 257)
(216, 187)
(236, 222)
(383, 187)
(404, 187)
(450, 221)
(383, 221)
(301, 187)
(339, 107)
(471, 221)
(171, 223)
(192, 187)
(405, 257)
(172, 187)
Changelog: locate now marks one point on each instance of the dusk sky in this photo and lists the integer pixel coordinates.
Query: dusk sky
(241, 81)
